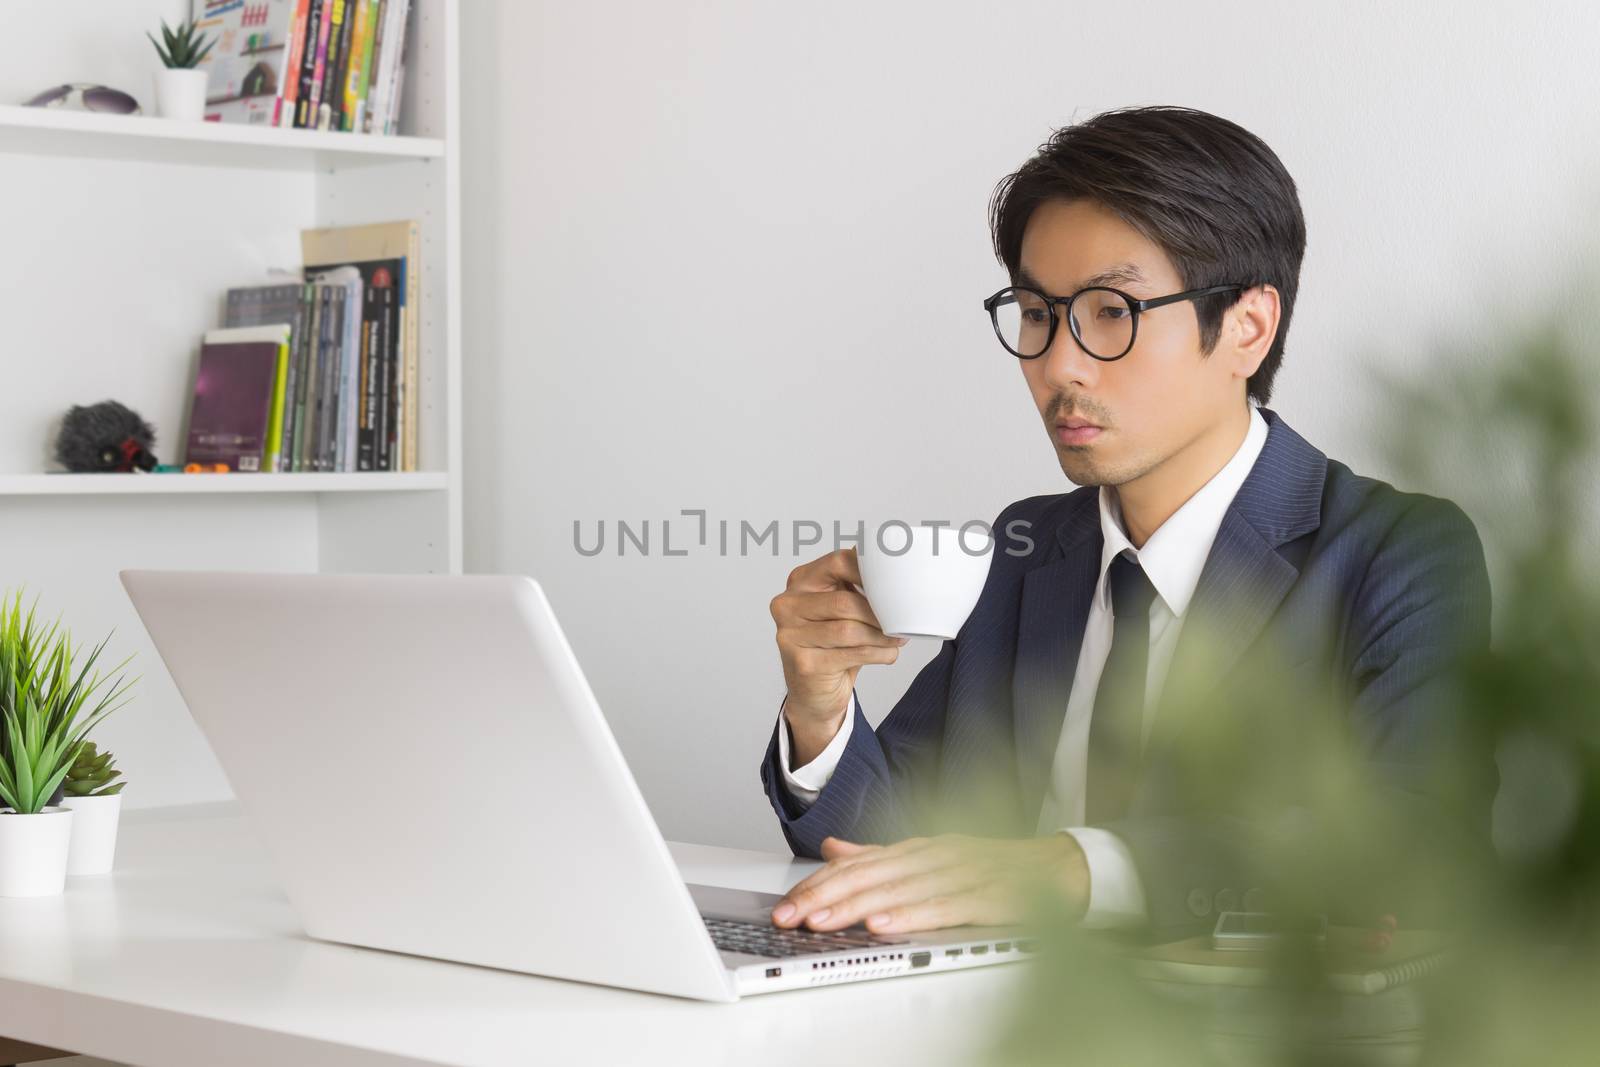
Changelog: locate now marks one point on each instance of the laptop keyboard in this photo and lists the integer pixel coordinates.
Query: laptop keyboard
(764, 939)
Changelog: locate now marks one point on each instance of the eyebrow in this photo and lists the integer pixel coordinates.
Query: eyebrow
(1122, 272)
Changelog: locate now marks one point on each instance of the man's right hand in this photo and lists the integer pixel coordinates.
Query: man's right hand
(826, 632)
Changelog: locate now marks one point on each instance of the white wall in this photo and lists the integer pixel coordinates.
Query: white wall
(730, 256)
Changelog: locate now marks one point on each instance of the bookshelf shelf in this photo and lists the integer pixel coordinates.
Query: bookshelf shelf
(202, 484)
(52, 131)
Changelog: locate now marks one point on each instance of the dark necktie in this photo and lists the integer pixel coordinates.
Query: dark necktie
(1116, 731)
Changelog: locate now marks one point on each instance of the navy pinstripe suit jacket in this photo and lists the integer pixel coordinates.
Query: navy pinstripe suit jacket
(1364, 591)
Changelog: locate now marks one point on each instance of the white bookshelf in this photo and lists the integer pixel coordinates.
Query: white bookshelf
(123, 233)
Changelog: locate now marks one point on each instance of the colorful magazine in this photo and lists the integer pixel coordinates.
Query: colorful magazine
(248, 67)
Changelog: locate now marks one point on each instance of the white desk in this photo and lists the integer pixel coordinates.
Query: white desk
(190, 956)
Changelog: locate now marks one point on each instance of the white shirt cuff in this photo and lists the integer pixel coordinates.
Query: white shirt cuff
(1116, 896)
(805, 783)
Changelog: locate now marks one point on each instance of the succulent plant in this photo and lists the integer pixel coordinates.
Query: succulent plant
(92, 772)
(185, 47)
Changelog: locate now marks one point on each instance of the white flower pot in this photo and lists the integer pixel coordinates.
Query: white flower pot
(181, 93)
(94, 833)
(33, 852)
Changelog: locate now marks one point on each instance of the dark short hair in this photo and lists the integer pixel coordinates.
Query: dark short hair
(1212, 194)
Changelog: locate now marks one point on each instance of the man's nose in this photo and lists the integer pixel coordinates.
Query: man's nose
(1065, 361)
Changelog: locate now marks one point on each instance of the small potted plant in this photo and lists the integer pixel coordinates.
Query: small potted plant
(47, 704)
(181, 86)
(95, 800)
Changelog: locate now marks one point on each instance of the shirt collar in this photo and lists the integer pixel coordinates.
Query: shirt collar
(1175, 554)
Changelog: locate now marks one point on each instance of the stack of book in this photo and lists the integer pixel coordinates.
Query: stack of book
(330, 384)
(312, 64)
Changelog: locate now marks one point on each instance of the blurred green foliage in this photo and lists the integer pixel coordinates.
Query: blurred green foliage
(1512, 438)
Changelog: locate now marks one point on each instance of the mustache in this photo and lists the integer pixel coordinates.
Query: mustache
(1063, 406)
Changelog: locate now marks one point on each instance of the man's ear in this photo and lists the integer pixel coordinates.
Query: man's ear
(1253, 324)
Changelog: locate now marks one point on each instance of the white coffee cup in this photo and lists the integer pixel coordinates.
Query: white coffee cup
(923, 581)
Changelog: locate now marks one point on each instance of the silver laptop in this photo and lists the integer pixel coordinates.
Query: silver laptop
(432, 775)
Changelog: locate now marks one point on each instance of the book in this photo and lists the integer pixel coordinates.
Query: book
(388, 48)
(357, 330)
(263, 305)
(355, 82)
(381, 110)
(384, 343)
(304, 356)
(307, 388)
(319, 64)
(316, 395)
(248, 67)
(332, 106)
(397, 88)
(393, 247)
(347, 364)
(308, 62)
(380, 15)
(387, 106)
(386, 281)
(272, 459)
(1349, 967)
(332, 376)
(236, 410)
(289, 94)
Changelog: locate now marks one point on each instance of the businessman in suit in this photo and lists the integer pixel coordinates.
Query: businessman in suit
(1154, 258)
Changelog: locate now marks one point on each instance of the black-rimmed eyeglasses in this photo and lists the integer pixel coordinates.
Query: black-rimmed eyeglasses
(1104, 321)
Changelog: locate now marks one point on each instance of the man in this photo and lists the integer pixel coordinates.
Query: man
(1154, 258)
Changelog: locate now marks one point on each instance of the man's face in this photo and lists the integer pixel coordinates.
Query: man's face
(1153, 402)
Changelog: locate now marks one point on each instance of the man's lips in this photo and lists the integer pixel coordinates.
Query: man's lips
(1076, 431)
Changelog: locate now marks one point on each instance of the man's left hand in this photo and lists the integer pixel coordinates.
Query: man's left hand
(927, 883)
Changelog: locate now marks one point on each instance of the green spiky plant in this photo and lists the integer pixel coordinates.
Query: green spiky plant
(47, 705)
(92, 773)
(185, 47)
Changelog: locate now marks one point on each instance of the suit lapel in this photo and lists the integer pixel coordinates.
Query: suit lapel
(1243, 583)
(1054, 612)
(1245, 578)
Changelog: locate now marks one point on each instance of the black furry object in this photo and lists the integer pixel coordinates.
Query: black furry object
(102, 437)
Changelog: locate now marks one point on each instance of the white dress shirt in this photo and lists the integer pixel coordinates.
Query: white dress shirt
(1172, 558)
